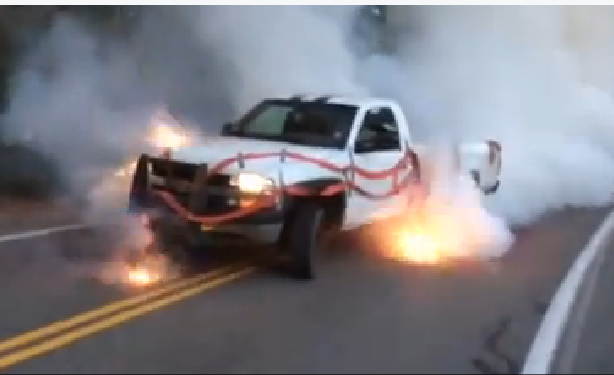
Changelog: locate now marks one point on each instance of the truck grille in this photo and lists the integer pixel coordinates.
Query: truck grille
(179, 178)
(184, 171)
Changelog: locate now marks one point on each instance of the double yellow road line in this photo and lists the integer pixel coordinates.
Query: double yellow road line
(65, 332)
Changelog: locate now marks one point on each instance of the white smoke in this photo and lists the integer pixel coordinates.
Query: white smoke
(281, 51)
(525, 77)
(537, 79)
(79, 103)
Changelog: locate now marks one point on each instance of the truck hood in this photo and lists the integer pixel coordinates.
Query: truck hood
(217, 149)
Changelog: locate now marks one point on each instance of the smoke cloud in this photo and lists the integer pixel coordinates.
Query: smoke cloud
(537, 79)
(526, 77)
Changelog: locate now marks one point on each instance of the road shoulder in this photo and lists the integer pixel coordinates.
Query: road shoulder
(596, 339)
(20, 215)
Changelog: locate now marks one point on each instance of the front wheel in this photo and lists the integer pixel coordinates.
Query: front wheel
(304, 236)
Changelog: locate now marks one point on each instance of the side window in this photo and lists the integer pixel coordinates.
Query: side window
(378, 132)
(270, 121)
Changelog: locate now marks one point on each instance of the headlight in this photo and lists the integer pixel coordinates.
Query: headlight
(251, 183)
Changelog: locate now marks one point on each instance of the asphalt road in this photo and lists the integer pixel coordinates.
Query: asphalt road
(362, 315)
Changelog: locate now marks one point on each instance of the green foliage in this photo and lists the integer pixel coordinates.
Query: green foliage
(25, 173)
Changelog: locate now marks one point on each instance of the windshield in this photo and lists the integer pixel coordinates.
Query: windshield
(305, 123)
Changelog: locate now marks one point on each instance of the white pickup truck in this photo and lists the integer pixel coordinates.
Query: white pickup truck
(293, 168)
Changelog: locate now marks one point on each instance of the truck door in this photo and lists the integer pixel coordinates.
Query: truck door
(376, 148)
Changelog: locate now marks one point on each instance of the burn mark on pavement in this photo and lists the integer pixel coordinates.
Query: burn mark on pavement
(502, 353)
(492, 347)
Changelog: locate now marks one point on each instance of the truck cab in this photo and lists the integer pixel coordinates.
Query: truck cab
(368, 134)
(322, 163)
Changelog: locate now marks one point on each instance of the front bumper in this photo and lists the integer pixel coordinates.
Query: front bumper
(189, 186)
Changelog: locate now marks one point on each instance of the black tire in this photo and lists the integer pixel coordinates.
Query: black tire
(304, 238)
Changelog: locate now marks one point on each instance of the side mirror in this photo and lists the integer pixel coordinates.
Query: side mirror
(227, 128)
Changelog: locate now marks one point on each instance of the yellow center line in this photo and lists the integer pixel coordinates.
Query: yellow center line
(103, 310)
(74, 335)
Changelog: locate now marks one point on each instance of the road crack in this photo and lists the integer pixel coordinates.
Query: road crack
(492, 346)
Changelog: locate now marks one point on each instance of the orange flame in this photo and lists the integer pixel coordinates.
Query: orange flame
(142, 276)
(414, 240)
(442, 231)
(164, 136)
(419, 246)
(166, 132)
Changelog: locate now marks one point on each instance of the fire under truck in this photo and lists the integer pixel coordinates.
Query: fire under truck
(292, 171)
